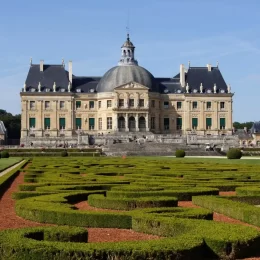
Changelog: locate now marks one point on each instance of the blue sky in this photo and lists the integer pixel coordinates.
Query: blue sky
(166, 33)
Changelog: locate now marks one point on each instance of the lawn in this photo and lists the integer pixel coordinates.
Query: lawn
(141, 194)
(7, 162)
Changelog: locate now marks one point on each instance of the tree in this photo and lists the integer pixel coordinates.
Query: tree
(238, 125)
(12, 124)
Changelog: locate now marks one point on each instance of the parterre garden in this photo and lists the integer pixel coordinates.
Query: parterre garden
(141, 194)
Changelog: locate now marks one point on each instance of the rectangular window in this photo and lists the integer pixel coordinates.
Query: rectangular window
(222, 105)
(78, 123)
(91, 123)
(179, 123)
(32, 122)
(47, 123)
(109, 103)
(166, 123)
(100, 123)
(178, 105)
(62, 123)
(91, 104)
(109, 122)
(153, 103)
(152, 122)
(194, 122)
(78, 104)
(208, 123)
(131, 102)
(222, 123)
(165, 104)
(62, 104)
(99, 104)
(141, 102)
(208, 105)
(194, 104)
(32, 104)
(47, 104)
(121, 103)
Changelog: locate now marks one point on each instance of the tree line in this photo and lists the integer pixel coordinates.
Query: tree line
(12, 124)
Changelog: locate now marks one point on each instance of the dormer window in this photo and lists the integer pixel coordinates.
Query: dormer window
(32, 89)
(195, 90)
(78, 90)
(62, 90)
(178, 91)
(209, 91)
(222, 91)
(92, 90)
(47, 90)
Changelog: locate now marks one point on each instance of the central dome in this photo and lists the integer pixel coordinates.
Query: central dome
(121, 75)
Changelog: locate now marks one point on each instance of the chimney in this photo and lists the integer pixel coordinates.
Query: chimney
(41, 65)
(70, 72)
(182, 75)
(209, 67)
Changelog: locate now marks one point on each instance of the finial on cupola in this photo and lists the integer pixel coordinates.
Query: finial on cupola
(217, 64)
(31, 61)
(189, 63)
(62, 62)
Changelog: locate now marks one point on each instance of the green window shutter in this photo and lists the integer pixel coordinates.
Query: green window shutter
(194, 122)
(222, 123)
(78, 104)
(179, 123)
(32, 122)
(208, 122)
(62, 123)
(91, 123)
(78, 123)
(208, 104)
(47, 123)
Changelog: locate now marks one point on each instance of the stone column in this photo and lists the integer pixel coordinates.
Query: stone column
(215, 116)
(147, 123)
(126, 123)
(202, 119)
(115, 122)
(136, 123)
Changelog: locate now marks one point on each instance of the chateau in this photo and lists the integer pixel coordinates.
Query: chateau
(128, 98)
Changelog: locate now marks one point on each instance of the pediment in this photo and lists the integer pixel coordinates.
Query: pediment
(132, 85)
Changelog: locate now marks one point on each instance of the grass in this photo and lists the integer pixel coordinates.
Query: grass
(7, 162)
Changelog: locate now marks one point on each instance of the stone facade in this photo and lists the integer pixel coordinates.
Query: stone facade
(57, 105)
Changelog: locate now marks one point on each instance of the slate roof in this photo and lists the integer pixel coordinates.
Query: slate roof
(2, 128)
(197, 75)
(255, 127)
(57, 73)
(243, 135)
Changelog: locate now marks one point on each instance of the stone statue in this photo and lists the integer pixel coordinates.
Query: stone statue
(54, 87)
(39, 87)
(187, 88)
(215, 88)
(69, 87)
(229, 88)
(24, 87)
(201, 88)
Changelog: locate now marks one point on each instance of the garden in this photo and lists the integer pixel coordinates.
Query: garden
(130, 208)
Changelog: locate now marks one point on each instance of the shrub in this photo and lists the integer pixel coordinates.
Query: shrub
(180, 153)
(234, 153)
(64, 153)
(4, 154)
